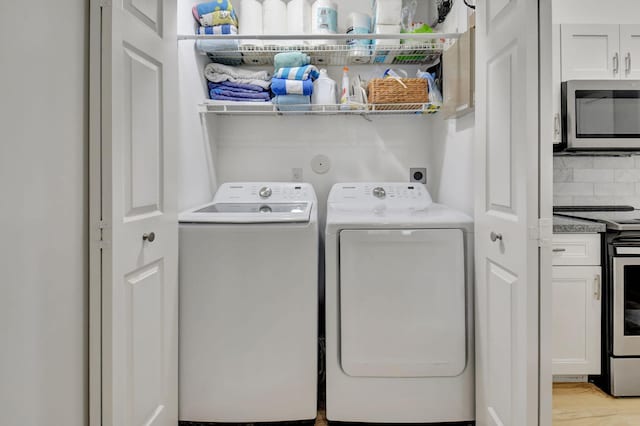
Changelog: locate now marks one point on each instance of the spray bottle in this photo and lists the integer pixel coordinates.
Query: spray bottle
(344, 94)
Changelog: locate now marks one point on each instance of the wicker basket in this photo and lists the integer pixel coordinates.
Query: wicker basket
(389, 91)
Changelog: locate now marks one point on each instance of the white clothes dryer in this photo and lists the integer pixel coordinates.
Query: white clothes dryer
(249, 305)
(399, 307)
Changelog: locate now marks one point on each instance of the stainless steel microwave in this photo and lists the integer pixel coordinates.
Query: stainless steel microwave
(601, 114)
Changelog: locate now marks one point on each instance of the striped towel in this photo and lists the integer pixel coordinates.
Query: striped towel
(297, 73)
(218, 18)
(218, 30)
(281, 86)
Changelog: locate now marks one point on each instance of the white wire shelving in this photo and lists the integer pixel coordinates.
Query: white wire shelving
(259, 50)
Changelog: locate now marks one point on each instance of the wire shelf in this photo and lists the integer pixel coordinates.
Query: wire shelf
(260, 50)
(267, 108)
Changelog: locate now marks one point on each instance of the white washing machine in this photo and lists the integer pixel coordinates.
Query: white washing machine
(249, 305)
(399, 307)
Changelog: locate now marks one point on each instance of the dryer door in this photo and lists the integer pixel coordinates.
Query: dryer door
(402, 302)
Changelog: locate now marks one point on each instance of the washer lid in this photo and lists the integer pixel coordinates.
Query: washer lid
(249, 213)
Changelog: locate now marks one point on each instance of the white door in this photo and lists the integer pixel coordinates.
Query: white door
(506, 213)
(576, 320)
(630, 51)
(590, 52)
(133, 147)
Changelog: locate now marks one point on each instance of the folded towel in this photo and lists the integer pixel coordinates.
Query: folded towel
(235, 98)
(297, 73)
(212, 46)
(235, 94)
(218, 18)
(218, 73)
(236, 86)
(281, 86)
(293, 102)
(291, 59)
(211, 6)
(218, 30)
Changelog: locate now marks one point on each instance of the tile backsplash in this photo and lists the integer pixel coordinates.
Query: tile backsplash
(581, 180)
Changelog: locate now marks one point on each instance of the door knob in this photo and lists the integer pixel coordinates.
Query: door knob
(150, 237)
(495, 237)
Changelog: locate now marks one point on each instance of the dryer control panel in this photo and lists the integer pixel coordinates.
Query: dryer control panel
(389, 194)
(273, 192)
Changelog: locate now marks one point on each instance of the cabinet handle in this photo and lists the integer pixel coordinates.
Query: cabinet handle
(559, 250)
(616, 63)
(597, 287)
(627, 63)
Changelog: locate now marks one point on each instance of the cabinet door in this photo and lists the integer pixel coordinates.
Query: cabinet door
(630, 51)
(591, 52)
(576, 320)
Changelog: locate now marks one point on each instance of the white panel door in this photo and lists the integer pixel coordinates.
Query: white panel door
(630, 51)
(590, 52)
(506, 213)
(137, 283)
(576, 320)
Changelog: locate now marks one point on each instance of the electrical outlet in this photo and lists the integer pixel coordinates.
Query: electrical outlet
(418, 174)
(296, 174)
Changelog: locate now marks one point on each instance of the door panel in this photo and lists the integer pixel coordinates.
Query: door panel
(137, 288)
(630, 51)
(590, 52)
(506, 213)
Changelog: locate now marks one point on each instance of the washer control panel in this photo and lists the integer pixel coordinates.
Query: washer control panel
(391, 195)
(246, 192)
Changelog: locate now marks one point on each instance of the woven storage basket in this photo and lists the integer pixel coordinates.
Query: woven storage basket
(389, 91)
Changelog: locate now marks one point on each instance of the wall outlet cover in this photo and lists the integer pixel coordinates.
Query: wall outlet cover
(418, 174)
(296, 174)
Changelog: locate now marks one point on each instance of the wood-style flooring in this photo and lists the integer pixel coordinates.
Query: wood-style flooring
(583, 404)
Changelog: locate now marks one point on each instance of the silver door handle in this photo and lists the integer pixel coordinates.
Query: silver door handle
(495, 237)
(627, 63)
(559, 250)
(616, 63)
(597, 287)
(150, 237)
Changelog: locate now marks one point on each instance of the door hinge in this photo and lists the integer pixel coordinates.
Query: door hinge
(543, 232)
(106, 3)
(102, 225)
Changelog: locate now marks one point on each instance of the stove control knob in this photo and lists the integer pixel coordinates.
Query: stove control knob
(265, 192)
(379, 192)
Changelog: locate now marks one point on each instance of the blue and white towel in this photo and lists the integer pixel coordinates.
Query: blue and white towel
(211, 6)
(297, 73)
(218, 30)
(281, 86)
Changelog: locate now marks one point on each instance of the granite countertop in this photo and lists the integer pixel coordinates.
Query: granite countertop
(563, 224)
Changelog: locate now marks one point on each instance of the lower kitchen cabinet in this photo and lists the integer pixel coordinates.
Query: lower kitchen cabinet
(576, 320)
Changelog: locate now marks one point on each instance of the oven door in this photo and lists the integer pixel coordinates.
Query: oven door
(626, 306)
(602, 114)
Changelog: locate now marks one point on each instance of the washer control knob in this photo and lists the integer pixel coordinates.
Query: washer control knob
(265, 192)
(379, 192)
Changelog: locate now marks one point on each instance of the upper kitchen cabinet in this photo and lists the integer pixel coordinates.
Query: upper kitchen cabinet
(600, 52)
(590, 52)
(630, 51)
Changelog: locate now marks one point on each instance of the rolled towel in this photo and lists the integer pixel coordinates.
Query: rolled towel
(217, 73)
(281, 86)
(291, 59)
(236, 86)
(218, 18)
(297, 73)
(218, 30)
(293, 102)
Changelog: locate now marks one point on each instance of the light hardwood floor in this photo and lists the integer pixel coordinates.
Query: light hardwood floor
(583, 404)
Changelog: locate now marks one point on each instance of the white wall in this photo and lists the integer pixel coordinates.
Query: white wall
(43, 213)
(596, 11)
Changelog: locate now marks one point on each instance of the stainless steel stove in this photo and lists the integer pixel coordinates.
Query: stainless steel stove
(615, 220)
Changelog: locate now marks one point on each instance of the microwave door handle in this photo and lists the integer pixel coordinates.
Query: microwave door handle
(616, 63)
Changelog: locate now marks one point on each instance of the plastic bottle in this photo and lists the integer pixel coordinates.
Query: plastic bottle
(324, 90)
(344, 95)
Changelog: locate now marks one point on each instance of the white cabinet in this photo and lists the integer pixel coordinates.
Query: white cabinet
(590, 52)
(600, 52)
(577, 290)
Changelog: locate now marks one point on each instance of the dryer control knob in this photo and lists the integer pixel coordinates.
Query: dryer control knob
(379, 192)
(265, 192)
